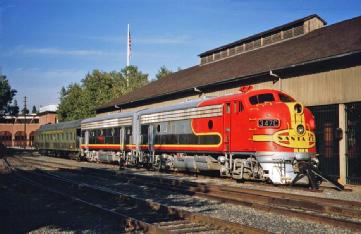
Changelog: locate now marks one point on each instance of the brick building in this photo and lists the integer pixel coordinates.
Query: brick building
(18, 131)
(318, 64)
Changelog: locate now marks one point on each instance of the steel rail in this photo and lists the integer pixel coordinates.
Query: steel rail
(305, 207)
(129, 222)
(163, 227)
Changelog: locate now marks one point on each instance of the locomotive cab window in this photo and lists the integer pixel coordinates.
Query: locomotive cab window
(261, 98)
(285, 98)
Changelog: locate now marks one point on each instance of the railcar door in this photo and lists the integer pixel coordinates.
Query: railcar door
(86, 140)
(122, 138)
(240, 132)
(150, 138)
(227, 126)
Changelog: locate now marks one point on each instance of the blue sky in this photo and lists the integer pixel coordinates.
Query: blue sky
(47, 44)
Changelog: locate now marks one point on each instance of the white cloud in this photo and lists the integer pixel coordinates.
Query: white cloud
(182, 39)
(42, 86)
(63, 52)
(41, 75)
(163, 40)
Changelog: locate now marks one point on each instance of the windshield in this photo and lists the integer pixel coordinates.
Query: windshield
(261, 98)
(286, 98)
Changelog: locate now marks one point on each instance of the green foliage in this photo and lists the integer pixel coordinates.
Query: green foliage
(34, 110)
(163, 72)
(6, 95)
(25, 111)
(71, 106)
(79, 101)
(14, 108)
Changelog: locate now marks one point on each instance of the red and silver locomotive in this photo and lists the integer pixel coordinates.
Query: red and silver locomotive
(257, 134)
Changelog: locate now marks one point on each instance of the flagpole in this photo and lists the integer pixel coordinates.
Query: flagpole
(128, 46)
(128, 54)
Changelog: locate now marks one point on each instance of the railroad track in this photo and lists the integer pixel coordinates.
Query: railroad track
(136, 214)
(340, 213)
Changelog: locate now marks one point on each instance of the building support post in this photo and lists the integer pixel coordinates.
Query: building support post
(342, 144)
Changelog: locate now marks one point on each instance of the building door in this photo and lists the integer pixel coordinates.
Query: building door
(327, 144)
(353, 134)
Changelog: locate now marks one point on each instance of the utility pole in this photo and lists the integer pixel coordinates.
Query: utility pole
(25, 121)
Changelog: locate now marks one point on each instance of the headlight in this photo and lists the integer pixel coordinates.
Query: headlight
(300, 129)
(298, 108)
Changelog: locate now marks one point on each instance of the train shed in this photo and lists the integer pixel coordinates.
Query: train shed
(318, 64)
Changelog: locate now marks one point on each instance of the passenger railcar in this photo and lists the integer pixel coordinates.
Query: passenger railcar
(61, 139)
(259, 134)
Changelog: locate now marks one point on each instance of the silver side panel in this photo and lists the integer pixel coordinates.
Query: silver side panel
(191, 113)
(108, 123)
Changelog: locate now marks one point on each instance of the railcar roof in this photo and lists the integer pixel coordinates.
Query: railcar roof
(180, 106)
(110, 116)
(60, 126)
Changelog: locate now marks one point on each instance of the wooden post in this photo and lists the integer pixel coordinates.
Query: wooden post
(342, 144)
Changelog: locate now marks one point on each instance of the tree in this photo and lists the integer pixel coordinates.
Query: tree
(98, 87)
(135, 78)
(6, 95)
(71, 106)
(34, 110)
(163, 72)
(14, 109)
(25, 111)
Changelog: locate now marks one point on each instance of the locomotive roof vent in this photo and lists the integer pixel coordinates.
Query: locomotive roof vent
(246, 88)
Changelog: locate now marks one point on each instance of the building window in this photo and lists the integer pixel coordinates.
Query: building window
(288, 34)
(267, 40)
(257, 43)
(276, 37)
(298, 30)
(239, 49)
(249, 45)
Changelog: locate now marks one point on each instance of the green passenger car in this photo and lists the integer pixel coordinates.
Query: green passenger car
(61, 139)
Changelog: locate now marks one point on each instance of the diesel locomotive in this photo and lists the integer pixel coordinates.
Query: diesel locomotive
(256, 134)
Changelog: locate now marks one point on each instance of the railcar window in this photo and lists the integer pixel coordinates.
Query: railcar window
(261, 98)
(285, 98)
(158, 128)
